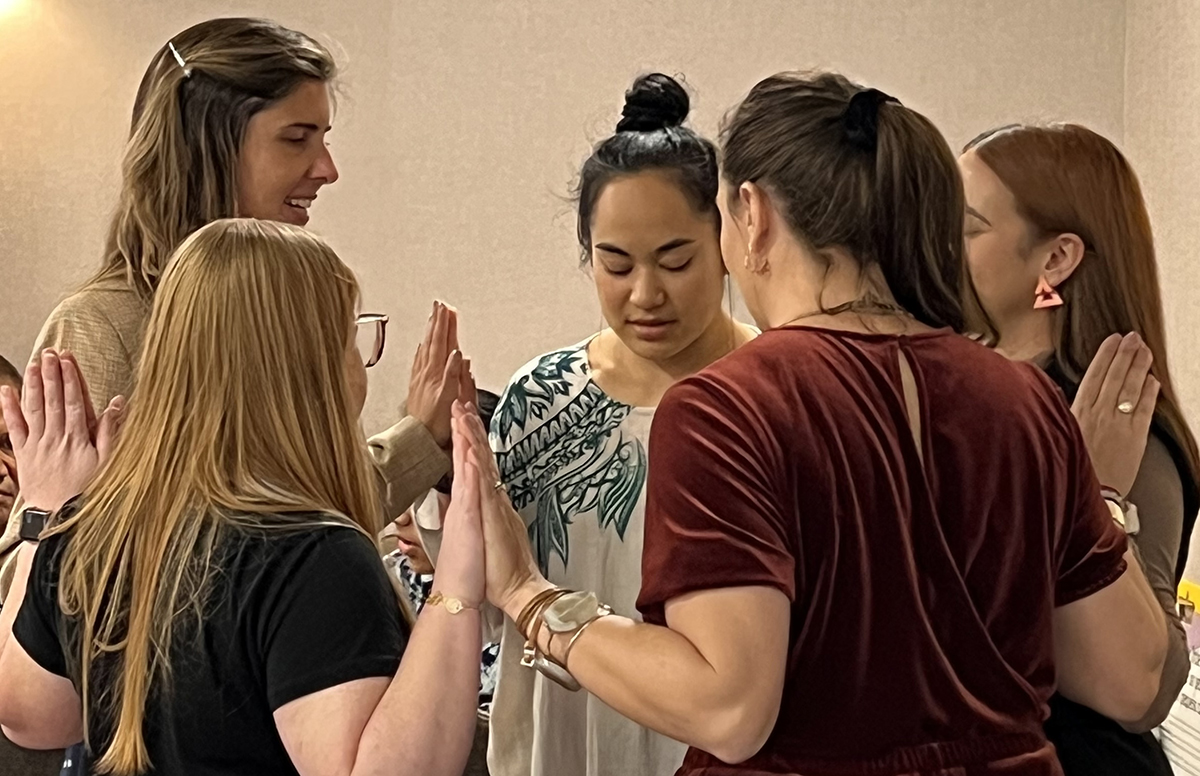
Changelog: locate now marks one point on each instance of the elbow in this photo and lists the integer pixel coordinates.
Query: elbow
(1132, 698)
(738, 733)
(1130, 703)
(26, 741)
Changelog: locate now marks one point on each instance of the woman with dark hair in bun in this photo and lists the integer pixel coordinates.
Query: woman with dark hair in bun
(572, 428)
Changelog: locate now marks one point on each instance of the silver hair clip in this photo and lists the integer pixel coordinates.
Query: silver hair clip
(187, 71)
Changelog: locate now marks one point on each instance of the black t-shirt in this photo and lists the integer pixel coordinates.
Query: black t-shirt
(288, 614)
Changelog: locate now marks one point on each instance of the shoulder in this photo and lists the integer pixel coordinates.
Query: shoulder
(301, 537)
(538, 390)
(102, 299)
(98, 311)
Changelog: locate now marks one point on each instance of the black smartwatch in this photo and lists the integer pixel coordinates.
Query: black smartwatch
(33, 522)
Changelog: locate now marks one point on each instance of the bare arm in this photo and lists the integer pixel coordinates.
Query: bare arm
(718, 668)
(1158, 495)
(423, 720)
(713, 678)
(1110, 647)
(38, 710)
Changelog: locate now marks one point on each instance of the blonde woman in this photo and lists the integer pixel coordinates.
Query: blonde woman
(214, 601)
(231, 119)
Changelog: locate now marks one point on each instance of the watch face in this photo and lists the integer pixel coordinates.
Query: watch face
(33, 522)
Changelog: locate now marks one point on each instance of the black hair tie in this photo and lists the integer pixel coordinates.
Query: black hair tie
(861, 117)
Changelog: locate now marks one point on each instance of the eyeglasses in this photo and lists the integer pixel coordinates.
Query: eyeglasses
(372, 333)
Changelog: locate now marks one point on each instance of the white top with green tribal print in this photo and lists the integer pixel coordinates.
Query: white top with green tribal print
(574, 461)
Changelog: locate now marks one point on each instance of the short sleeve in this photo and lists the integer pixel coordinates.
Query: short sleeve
(36, 628)
(334, 619)
(1091, 546)
(715, 514)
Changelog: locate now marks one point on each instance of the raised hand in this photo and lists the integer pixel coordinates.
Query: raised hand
(512, 573)
(56, 451)
(437, 374)
(1115, 406)
(460, 569)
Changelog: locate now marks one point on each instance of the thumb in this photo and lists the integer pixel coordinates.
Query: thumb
(109, 426)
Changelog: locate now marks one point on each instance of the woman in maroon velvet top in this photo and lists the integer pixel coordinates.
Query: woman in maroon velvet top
(872, 546)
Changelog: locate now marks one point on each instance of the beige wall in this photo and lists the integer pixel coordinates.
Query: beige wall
(1162, 139)
(464, 121)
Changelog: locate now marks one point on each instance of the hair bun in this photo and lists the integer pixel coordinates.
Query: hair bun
(654, 102)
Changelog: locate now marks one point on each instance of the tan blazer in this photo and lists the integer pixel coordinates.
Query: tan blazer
(103, 325)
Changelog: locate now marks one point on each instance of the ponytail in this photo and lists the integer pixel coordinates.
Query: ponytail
(860, 171)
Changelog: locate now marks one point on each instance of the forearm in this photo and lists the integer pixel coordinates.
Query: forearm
(654, 676)
(1118, 634)
(1174, 674)
(1152, 630)
(426, 721)
(1176, 664)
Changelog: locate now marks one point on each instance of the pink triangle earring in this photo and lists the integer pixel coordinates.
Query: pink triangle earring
(1045, 296)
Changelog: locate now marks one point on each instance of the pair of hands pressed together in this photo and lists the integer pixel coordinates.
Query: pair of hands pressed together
(440, 375)
(485, 550)
(1116, 442)
(60, 443)
(57, 439)
(442, 395)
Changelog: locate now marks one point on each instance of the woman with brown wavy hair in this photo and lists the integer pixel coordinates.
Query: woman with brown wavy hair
(231, 119)
(1061, 252)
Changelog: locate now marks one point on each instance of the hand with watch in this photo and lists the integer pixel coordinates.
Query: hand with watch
(58, 441)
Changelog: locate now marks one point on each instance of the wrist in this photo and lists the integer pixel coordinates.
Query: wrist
(452, 603)
(523, 594)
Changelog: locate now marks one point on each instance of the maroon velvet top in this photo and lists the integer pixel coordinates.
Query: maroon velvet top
(921, 593)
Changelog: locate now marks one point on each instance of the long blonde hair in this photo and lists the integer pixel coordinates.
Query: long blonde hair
(240, 419)
(180, 166)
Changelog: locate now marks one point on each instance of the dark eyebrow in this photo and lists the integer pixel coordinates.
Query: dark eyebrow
(664, 248)
(678, 243)
(611, 249)
(973, 212)
(310, 127)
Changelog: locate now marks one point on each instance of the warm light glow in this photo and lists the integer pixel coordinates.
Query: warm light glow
(10, 6)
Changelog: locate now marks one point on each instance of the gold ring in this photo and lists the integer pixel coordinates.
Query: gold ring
(1125, 408)
(499, 485)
